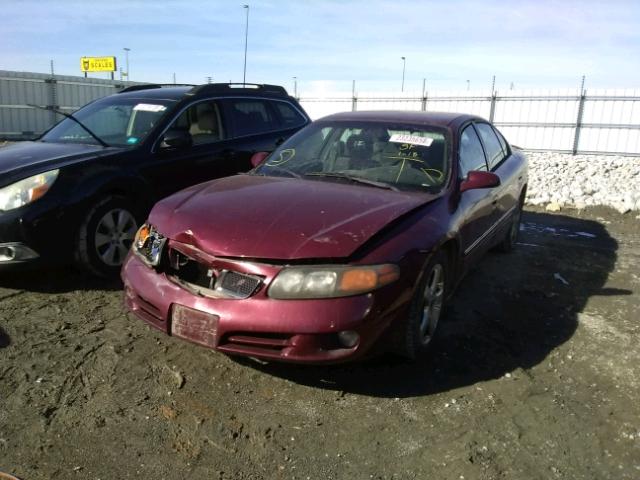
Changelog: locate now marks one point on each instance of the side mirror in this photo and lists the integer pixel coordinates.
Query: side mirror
(175, 138)
(477, 179)
(257, 158)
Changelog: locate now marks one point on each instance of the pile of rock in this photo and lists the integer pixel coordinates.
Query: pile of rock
(560, 179)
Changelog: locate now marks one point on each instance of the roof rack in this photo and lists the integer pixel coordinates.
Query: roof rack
(239, 87)
(149, 86)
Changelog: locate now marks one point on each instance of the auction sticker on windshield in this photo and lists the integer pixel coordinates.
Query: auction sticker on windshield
(149, 107)
(411, 139)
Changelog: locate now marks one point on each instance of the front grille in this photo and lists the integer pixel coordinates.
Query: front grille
(237, 284)
(209, 280)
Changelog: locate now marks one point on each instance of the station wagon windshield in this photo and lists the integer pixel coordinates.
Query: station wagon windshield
(121, 122)
(394, 156)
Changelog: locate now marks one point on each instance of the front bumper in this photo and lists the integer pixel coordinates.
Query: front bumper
(36, 233)
(298, 331)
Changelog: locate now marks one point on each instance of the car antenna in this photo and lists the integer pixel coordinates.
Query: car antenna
(68, 115)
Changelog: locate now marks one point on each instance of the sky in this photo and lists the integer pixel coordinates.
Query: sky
(453, 44)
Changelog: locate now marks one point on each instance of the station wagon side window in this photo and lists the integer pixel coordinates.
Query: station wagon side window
(251, 117)
(471, 153)
(492, 146)
(203, 121)
(289, 116)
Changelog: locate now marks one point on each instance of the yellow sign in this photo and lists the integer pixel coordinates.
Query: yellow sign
(98, 64)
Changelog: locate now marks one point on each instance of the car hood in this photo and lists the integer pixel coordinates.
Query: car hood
(23, 159)
(280, 218)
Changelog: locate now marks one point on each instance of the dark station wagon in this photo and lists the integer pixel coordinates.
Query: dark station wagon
(84, 187)
(349, 236)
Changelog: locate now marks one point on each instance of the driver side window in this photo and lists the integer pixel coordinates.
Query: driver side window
(471, 153)
(203, 121)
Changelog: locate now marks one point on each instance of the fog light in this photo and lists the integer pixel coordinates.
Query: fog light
(10, 252)
(348, 338)
(6, 254)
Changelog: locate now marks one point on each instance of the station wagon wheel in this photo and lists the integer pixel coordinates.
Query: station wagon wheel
(114, 235)
(106, 235)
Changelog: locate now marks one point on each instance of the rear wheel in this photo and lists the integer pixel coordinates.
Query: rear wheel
(511, 237)
(427, 306)
(106, 235)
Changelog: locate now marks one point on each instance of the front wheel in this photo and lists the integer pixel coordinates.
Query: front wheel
(426, 309)
(106, 235)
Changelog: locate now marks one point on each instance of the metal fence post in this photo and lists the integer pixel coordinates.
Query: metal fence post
(576, 138)
(354, 99)
(53, 94)
(53, 98)
(492, 112)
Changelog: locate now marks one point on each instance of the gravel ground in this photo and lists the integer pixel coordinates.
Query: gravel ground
(535, 376)
(559, 179)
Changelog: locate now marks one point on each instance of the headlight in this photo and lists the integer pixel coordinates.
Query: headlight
(148, 244)
(331, 281)
(27, 190)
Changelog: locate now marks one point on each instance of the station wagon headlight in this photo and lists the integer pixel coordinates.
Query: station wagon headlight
(148, 245)
(26, 191)
(331, 281)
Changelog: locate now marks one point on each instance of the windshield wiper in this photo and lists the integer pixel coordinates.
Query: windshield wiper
(352, 178)
(286, 171)
(71, 117)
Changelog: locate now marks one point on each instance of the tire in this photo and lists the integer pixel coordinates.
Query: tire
(421, 327)
(105, 236)
(511, 237)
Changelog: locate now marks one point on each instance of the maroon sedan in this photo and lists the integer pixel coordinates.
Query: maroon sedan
(350, 235)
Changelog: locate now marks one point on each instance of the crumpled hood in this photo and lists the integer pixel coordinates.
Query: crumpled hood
(23, 159)
(280, 218)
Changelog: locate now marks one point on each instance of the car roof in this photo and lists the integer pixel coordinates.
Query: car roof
(169, 93)
(438, 119)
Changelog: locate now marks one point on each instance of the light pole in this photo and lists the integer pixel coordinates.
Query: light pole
(404, 63)
(295, 87)
(246, 38)
(126, 52)
(468, 85)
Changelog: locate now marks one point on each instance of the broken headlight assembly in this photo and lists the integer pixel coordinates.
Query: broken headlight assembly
(331, 281)
(148, 245)
(26, 191)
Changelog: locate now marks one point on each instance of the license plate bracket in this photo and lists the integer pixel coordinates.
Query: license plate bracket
(194, 325)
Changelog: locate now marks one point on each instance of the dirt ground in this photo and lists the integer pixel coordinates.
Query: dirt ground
(535, 376)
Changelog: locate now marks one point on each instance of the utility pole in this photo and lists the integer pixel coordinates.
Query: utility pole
(295, 87)
(126, 52)
(404, 63)
(246, 39)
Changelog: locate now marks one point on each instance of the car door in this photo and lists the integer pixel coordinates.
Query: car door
(506, 194)
(477, 207)
(207, 156)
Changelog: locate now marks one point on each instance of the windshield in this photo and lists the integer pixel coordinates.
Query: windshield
(122, 122)
(392, 155)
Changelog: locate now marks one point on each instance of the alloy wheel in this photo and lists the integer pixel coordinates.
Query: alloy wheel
(114, 235)
(433, 299)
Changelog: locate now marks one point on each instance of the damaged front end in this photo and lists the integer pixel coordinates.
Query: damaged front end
(316, 314)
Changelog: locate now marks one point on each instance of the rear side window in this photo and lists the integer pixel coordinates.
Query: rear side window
(491, 143)
(471, 153)
(503, 142)
(251, 117)
(290, 117)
